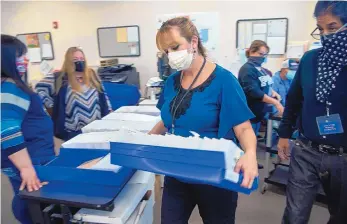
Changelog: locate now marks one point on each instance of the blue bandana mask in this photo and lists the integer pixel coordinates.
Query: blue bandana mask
(257, 61)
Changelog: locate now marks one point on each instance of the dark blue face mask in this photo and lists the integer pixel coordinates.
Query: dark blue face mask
(258, 61)
(79, 66)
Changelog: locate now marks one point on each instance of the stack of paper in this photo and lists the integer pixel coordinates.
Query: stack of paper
(93, 140)
(148, 103)
(105, 164)
(131, 117)
(116, 125)
(149, 110)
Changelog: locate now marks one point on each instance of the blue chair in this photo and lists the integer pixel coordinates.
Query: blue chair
(122, 94)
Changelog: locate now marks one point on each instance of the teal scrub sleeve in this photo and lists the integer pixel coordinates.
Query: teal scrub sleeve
(234, 109)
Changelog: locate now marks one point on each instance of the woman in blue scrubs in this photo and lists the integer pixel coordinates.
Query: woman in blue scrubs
(205, 98)
(26, 129)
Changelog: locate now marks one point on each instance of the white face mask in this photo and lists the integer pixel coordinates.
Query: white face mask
(180, 60)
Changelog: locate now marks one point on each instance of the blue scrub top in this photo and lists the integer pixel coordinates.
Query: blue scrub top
(211, 109)
(281, 87)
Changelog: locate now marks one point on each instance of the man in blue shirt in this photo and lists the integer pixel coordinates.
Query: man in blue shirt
(283, 79)
(318, 97)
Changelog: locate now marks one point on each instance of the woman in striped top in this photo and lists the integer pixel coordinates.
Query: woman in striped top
(74, 97)
(26, 128)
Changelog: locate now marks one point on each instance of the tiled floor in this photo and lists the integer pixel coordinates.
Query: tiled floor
(253, 209)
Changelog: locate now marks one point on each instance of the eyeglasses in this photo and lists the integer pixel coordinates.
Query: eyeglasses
(316, 34)
(263, 54)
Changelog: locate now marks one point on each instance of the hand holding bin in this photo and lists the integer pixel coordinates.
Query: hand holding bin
(192, 159)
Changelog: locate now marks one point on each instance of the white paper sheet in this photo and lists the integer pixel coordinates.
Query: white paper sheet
(130, 117)
(133, 34)
(295, 51)
(148, 102)
(45, 68)
(34, 54)
(137, 109)
(47, 51)
(105, 164)
(259, 28)
(116, 125)
(259, 37)
(133, 50)
(276, 44)
(277, 28)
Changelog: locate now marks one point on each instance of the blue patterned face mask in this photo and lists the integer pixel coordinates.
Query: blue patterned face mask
(331, 60)
(326, 37)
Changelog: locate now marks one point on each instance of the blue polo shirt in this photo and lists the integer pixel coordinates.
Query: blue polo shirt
(302, 103)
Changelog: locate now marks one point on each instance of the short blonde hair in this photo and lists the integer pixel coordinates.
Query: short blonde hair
(186, 28)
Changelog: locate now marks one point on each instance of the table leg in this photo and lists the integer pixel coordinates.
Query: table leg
(66, 214)
(36, 212)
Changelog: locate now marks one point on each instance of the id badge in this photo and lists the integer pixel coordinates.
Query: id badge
(329, 125)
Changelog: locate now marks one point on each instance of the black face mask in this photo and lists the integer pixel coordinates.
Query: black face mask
(258, 61)
(79, 65)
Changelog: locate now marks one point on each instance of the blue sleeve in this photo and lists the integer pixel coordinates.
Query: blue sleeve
(276, 84)
(12, 139)
(234, 109)
(14, 106)
(249, 81)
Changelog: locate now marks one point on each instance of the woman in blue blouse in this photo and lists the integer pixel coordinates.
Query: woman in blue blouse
(207, 99)
(74, 97)
(26, 129)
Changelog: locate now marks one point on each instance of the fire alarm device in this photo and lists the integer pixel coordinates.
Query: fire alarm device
(55, 25)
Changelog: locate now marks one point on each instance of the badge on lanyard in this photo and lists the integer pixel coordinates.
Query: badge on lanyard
(329, 124)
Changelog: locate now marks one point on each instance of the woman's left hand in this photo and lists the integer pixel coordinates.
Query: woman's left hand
(249, 166)
(276, 95)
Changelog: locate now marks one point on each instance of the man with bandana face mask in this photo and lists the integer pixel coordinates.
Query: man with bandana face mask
(318, 97)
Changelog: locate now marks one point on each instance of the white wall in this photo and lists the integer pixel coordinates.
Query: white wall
(78, 22)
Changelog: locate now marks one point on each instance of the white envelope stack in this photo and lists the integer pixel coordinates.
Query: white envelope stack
(139, 110)
(131, 117)
(116, 125)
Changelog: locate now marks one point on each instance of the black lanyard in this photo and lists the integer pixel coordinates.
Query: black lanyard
(173, 111)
